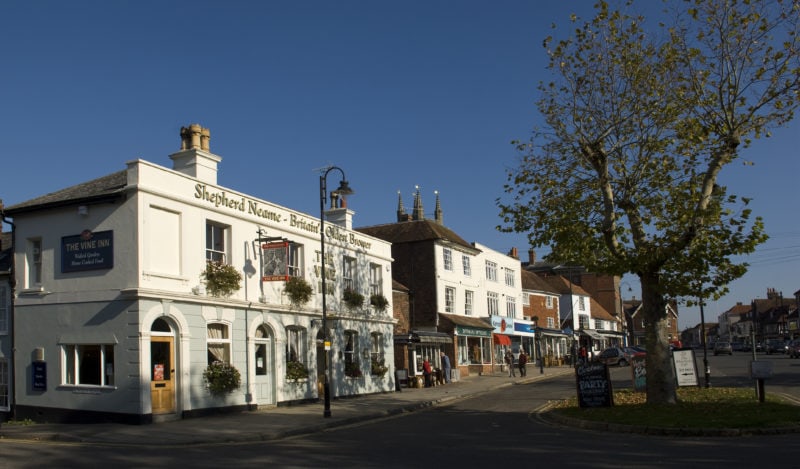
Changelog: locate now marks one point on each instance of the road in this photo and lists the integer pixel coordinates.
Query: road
(500, 428)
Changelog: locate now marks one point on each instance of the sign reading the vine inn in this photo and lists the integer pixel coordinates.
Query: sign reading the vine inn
(87, 251)
(594, 385)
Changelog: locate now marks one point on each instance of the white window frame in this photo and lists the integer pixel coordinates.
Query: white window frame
(526, 298)
(224, 342)
(492, 303)
(296, 344)
(73, 355)
(581, 303)
(376, 349)
(349, 273)
(510, 277)
(583, 321)
(217, 236)
(375, 279)
(511, 306)
(295, 261)
(548, 302)
(447, 259)
(491, 271)
(466, 265)
(469, 302)
(350, 350)
(449, 299)
(34, 260)
(551, 323)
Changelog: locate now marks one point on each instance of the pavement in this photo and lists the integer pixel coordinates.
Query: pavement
(274, 422)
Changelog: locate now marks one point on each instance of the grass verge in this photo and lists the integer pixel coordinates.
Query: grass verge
(697, 408)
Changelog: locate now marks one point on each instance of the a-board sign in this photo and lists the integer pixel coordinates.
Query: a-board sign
(685, 366)
(639, 372)
(594, 385)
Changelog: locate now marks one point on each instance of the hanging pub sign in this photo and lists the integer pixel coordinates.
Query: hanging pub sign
(274, 261)
(87, 251)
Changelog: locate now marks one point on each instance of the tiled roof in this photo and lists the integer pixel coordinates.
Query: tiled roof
(107, 186)
(532, 281)
(414, 231)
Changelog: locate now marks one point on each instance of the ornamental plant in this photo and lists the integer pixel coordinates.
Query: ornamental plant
(352, 370)
(352, 298)
(379, 302)
(222, 378)
(378, 368)
(298, 290)
(221, 279)
(296, 370)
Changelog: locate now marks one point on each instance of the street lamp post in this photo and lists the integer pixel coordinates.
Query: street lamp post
(344, 189)
(705, 344)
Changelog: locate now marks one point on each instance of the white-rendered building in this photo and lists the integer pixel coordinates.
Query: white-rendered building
(113, 320)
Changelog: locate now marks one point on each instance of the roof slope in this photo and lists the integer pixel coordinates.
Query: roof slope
(111, 185)
(414, 231)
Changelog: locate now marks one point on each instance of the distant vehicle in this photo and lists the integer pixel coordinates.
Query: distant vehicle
(776, 346)
(737, 346)
(793, 349)
(721, 347)
(614, 356)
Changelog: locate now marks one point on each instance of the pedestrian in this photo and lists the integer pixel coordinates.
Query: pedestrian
(523, 360)
(446, 367)
(510, 363)
(583, 355)
(426, 372)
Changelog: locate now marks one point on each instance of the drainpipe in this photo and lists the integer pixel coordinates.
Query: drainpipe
(13, 283)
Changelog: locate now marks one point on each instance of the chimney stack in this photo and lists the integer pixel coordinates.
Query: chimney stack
(195, 158)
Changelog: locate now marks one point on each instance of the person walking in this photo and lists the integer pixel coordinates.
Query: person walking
(523, 360)
(426, 372)
(446, 367)
(510, 363)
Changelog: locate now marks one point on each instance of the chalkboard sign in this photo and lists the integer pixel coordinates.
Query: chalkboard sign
(594, 385)
(639, 372)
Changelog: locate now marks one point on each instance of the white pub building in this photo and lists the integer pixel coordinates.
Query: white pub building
(114, 319)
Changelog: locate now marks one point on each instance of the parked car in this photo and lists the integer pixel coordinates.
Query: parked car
(614, 356)
(737, 347)
(721, 347)
(776, 346)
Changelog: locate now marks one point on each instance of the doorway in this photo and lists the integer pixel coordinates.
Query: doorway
(264, 367)
(162, 368)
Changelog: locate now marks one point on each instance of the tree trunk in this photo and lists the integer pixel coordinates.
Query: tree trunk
(661, 387)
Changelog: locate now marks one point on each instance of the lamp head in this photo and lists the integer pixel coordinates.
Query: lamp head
(344, 188)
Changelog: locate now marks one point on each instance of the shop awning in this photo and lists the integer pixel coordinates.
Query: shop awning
(429, 337)
(500, 339)
(592, 334)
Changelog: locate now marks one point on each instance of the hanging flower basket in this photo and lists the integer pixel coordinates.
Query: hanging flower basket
(296, 371)
(353, 299)
(222, 378)
(378, 368)
(298, 290)
(351, 370)
(222, 280)
(379, 302)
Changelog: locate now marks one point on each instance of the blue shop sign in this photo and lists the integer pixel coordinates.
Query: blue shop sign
(39, 375)
(87, 251)
(524, 327)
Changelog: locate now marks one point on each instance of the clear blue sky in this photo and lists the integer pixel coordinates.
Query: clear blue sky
(398, 94)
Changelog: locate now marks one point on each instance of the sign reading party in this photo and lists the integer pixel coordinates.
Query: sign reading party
(87, 251)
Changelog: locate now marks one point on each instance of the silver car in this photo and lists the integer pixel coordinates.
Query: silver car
(721, 347)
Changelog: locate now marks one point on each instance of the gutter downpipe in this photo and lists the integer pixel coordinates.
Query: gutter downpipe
(13, 283)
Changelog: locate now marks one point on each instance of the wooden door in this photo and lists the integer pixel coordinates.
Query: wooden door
(162, 374)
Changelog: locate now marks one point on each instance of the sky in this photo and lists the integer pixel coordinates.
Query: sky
(399, 95)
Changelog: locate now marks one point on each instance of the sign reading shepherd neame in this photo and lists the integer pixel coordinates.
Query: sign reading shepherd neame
(87, 251)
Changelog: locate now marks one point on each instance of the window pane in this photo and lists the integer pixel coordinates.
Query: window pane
(89, 364)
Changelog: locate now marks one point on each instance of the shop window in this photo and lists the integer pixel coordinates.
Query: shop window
(219, 343)
(88, 364)
(474, 350)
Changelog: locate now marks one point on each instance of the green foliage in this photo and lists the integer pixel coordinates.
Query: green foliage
(221, 279)
(296, 370)
(378, 367)
(298, 290)
(352, 298)
(352, 370)
(379, 302)
(639, 123)
(222, 378)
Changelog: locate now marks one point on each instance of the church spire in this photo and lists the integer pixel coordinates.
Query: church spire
(419, 213)
(401, 211)
(437, 214)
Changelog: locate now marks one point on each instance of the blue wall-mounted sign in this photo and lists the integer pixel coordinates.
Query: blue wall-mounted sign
(87, 251)
(39, 376)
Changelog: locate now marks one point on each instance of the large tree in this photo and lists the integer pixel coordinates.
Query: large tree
(639, 120)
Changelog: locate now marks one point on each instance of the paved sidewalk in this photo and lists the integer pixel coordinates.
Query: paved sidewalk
(272, 423)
